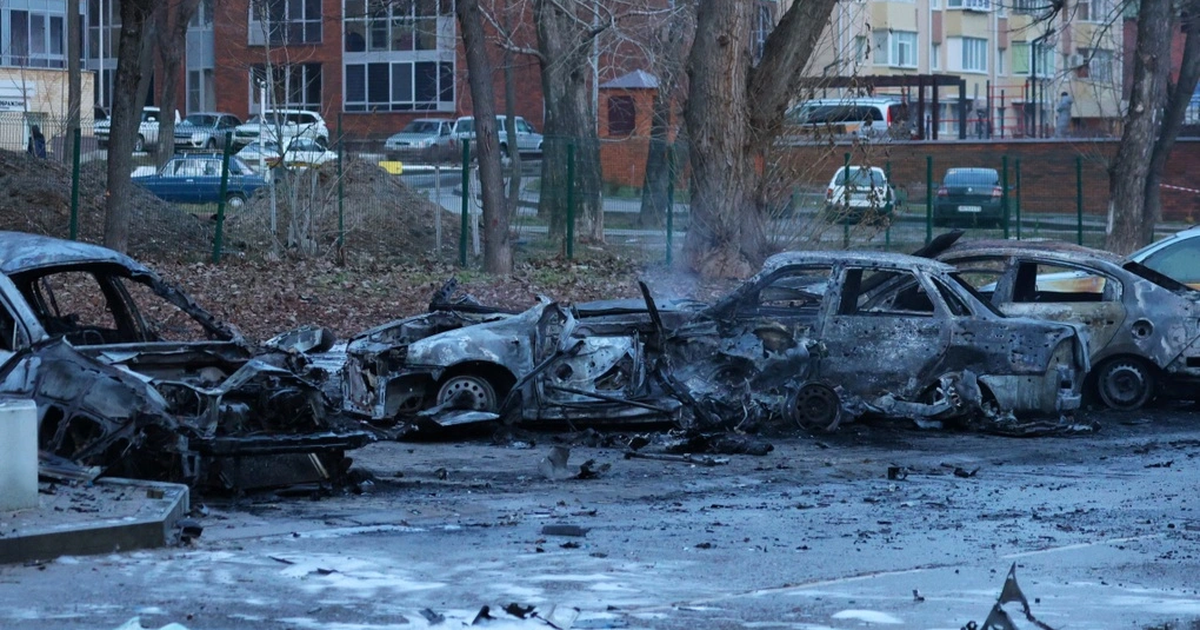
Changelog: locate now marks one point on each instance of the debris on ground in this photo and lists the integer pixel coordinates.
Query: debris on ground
(565, 530)
(998, 618)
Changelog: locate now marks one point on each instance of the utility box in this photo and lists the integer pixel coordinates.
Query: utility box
(18, 455)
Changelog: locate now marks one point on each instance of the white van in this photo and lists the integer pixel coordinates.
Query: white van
(874, 116)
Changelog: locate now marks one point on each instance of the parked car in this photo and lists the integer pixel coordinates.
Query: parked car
(424, 139)
(282, 125)
(204, 131)
(1144, 328)
(132, 376)
(969, 197)
(864, 117)
(147, 136)
(789, 343)
(859, 193)
(197, 179)
(1177, 256)
(297, 153)
(529, 141)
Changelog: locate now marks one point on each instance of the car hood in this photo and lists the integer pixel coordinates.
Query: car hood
(412, 137)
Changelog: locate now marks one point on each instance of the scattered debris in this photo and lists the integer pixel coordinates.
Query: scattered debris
(686, 459)
(483, 616)
(518, 611)
(554, 465)
(917, 596)
(565, 530)
(998, 619)
(432, 617)
(897, 473)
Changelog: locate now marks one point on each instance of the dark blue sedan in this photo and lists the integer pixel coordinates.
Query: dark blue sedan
(197, 179)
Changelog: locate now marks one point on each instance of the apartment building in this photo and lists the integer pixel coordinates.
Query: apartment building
(1016, 57)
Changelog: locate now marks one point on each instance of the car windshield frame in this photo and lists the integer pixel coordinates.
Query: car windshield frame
(859, 175)
(423, 127)
(200, 120)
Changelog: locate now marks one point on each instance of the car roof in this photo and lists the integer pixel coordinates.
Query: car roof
(1003, 248)
(1182, 235)
(854, 257)
(972, 169)
(21, 252)
(865, 100)
(210, 114)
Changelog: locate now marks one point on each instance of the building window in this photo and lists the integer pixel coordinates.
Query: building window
(1097, 65)
(896, 48)
(1022, 62)
(935, 4)
(970, 5)
(35, 40)
(1031, 7)
(935, 57)
(974, 54)
(399, 86)
(1000, 62)
(1093, 10)
(285, 22)
(622, 116)
(200, 94)
(296, 86)
(204, 15)
(764, 23)
(395, 26)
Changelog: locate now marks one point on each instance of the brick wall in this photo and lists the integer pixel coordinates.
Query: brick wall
(1047, 169)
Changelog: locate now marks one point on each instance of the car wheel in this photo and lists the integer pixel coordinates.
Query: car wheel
(467, 391)
(1125, 383)
(211, 144)
(815, 406)
(139, 145)
(235, 201)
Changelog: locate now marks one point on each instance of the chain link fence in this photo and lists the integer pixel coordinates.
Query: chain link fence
(352, 200)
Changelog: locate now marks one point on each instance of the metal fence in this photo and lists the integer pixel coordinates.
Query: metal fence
(358, 202)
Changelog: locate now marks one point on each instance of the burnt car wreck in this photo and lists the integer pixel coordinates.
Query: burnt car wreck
(133, 378)
(815, 338)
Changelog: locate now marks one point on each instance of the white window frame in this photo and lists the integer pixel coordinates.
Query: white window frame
(1093, 11)
(286, 77)
(974, 54)
(42, 51)
(935, 56)
(419, 33)
(894, 43)
(970, 5)
(1098, 59)
(283, 32)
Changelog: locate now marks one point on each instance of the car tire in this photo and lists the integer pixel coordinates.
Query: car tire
(815, 406)
(235, 201)
(1125, 383)
(468, 391)
(139, 145)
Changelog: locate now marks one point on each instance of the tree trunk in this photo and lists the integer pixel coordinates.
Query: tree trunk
(1178, 98)
(74, 87)
(563, 46)
(126, 114)
(497, 249)
(734, 110)
(510, 125)
(172, 39)
(673, 45)
(1129, 171)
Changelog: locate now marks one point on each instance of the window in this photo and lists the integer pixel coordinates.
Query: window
(204, 14)
(402, 86)
(1000, 62)
(200, 93)
(1022, 60)
(1031, 7)
(1097, 65)
(861, 50)
(795, 291)
(1178, 261)
(974, 54)
(970, 5)
(285, 22)
(1040, 282)
(884, 292)
(764, 23)
(935, 57)
(622, 116)
(382, 26)
(295, 86)
(36, 40)
(1093, 10)
(896, 48)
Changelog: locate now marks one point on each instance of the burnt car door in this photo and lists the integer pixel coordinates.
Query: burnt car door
(886, 331)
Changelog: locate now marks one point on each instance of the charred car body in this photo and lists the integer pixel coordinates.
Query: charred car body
(815, 337)
(132, 377)
(1144, 328)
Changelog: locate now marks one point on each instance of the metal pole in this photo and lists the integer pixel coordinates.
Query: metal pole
(437, 197)
(1004, 191)
(1018, 198)
(217, 240)
(76, 139)
(887, 230)
(670, 202)
(466, 201)
(928, 198)
(846, 194)
(341, 194)
(570, 200)
(1079, 199)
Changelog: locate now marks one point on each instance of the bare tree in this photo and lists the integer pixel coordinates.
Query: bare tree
(126, 115)
(668, 53)
(1130, 170)
(733, 110)
(1179, 95)
(497, 250)
(171, 36)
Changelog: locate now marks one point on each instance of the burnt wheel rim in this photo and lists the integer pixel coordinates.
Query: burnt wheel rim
(468, 392)
(816, 405)
(1124, 385)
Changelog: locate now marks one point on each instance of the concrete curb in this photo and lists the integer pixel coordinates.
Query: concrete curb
(152, 524)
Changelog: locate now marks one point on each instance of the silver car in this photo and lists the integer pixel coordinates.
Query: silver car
(204, 130)
(423, 140)
(529, 141)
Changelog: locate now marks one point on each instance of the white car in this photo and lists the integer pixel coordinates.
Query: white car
(425, 139)
(147, 130)
(298, 153)
(282, 124)
(859, 192)
(529, 141)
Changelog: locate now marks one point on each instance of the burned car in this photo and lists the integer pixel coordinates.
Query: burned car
(1144, 328)
(131, 376)
(815, 337)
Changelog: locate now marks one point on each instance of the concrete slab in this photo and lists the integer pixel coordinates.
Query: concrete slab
(111, 515)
